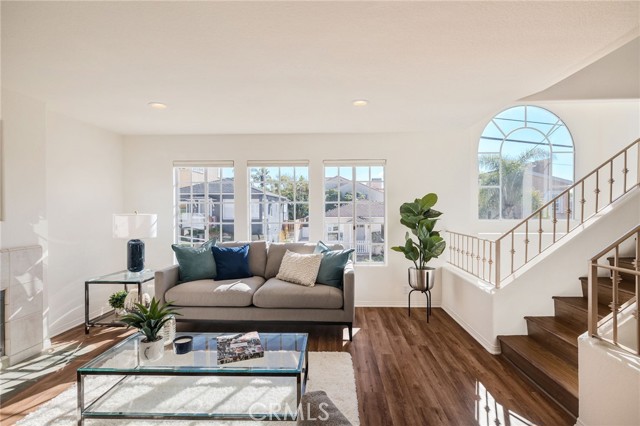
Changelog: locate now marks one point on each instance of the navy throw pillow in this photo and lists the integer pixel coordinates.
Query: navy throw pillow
(232, 262)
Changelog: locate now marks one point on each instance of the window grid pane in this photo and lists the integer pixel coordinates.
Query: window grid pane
(204, 204)
(534, 163)
(279, 203)
(354, 210)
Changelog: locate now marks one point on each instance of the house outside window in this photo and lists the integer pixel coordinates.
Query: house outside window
(204, 203)
(354, 208)
(279, 201)
(525, 159)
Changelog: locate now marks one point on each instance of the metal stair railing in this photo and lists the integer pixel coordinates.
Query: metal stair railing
(616, 307)
(493, 261)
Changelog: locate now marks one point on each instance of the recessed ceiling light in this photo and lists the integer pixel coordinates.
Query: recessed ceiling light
(360, 102)
(157, 105)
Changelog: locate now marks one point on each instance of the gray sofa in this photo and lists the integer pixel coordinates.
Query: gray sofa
(261, 298)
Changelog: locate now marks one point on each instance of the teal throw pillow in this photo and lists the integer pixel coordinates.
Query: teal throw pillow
(332, 265)
(195, 263)
(321, 247)
(232, 262)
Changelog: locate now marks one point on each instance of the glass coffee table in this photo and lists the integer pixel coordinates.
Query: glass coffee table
(193, 386)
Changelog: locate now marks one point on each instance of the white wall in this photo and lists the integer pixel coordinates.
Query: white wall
(62, 181)
(609, 384)
(84, 186)
(416, 164)
(24, 221)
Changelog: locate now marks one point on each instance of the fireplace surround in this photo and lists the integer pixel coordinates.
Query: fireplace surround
(21, 280)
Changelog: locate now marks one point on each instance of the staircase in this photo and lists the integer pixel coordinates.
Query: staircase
(548, 354)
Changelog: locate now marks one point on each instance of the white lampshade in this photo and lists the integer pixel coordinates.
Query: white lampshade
(135, 226)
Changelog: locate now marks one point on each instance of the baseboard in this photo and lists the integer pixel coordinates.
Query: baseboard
(579, 422)
(492, 348)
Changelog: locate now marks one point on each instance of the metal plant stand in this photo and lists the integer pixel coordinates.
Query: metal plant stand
(427, 293)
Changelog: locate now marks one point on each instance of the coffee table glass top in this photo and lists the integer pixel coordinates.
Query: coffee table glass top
(283, 353)
(125, 277)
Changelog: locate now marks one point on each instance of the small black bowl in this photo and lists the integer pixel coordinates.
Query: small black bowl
(182, 345)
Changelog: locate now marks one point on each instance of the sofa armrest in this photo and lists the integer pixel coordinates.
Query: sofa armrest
(349, 290)
(164, 280)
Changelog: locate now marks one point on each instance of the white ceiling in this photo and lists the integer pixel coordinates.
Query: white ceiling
(295, 67)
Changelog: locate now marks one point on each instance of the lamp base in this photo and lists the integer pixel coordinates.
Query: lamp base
(135, 255)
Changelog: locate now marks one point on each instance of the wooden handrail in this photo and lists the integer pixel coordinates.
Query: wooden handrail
(579, 186)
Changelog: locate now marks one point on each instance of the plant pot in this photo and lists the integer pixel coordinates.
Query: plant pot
(422, 279)
(151, 351)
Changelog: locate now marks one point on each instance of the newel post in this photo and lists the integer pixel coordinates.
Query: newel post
(593, 298)
(497, 257)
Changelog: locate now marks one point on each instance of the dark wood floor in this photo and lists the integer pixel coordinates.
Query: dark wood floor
(408, 372)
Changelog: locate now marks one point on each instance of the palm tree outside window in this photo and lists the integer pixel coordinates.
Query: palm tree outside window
(525, 158)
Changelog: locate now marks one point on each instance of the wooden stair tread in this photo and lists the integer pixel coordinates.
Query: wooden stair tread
(557, 369)
(564, 330)
(626, 259)
(582, 304)
(624, 286)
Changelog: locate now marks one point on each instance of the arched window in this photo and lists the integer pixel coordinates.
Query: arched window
(525, 158)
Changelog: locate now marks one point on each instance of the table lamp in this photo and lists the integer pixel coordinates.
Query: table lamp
(134, 227)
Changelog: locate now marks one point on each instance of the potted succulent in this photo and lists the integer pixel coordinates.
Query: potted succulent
(421, 218)
(150, 320)
(116, 301)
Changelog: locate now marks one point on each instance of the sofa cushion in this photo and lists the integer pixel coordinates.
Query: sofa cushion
(232, 262)
(195, 263)
(257, 254)
(215, 293)
(277, 250)
(299, 268)
(332, 266)
(276, 293)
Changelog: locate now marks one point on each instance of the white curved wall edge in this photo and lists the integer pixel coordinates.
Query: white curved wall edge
(609, 384)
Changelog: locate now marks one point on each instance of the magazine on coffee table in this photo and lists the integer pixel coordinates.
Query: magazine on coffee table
(239, 347)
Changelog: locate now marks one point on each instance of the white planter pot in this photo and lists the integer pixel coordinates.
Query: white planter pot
(422, 279)
(151, 351)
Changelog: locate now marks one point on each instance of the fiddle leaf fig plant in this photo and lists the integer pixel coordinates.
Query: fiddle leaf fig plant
(421, 218)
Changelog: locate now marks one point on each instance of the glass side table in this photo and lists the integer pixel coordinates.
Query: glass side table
(125, 278)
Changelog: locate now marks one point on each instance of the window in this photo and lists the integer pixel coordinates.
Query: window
(204, 207)
(354, 210)
(525, 158)
(279, 202)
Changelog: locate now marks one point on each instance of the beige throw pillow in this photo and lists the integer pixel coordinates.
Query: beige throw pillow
(300, 268)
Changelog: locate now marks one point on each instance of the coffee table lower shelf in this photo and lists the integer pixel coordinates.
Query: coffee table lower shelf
(92, 410)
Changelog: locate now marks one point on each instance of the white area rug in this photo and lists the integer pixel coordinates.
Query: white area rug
(331, 372)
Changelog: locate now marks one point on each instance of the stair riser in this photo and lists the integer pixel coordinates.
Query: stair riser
(570, 313)
(605, 294)
(546, 383)
(559, 346)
